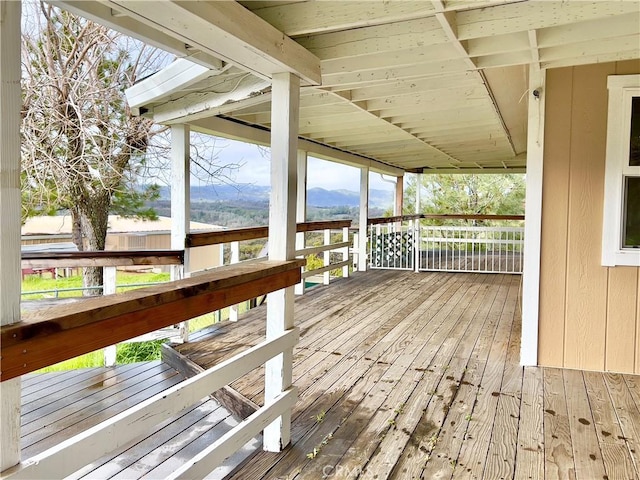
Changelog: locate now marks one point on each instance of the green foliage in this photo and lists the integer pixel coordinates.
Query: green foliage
(90, 360)
(138, 351)
(468, 194)
(133, 202)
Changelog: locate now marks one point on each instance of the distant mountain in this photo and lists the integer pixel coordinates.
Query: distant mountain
(316, 197)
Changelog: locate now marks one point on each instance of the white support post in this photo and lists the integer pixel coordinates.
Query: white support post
(10, 274)
(345, 252)
(356, 254)
(282, 229)
(418, 192)
(180, 203)
(416, 232)
(301, 208)
(326, 257)
(533, 219)
(235, 258)
(399, 194)
(109, 288)
(364, 217)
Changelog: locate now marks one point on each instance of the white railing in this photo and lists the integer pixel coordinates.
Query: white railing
(471, 249)
(329, 250)
(391, 245)
(335, 252)
(414, 243)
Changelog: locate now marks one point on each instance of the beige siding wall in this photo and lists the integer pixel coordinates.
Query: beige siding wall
(589, 314)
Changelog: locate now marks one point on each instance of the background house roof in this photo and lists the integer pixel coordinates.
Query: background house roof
(56, 225)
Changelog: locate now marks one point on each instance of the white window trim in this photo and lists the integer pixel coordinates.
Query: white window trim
(622, 88)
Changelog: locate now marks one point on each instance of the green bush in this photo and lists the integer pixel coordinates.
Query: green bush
(138, 352)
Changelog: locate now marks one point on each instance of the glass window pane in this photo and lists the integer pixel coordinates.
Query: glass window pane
(631, 236)
(634, 147)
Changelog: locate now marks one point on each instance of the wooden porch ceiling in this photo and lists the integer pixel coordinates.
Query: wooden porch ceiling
(416, 85)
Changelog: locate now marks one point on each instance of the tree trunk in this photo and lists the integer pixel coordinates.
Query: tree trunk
(76, 229)
(94, 217)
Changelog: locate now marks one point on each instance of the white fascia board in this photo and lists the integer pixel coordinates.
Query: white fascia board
(237, 91)
(246, 133)
(179, 75)
(475, 171)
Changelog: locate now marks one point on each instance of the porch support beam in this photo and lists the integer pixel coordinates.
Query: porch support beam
(364, 218)
(282, 231)
(228, 31)
(399, 194)
(180, 202)
(301, 207)
(533, 216)
(10, 279)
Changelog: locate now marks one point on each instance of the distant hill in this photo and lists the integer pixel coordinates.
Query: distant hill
(316, 197)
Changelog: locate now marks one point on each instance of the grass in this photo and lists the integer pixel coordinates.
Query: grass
(35, 283)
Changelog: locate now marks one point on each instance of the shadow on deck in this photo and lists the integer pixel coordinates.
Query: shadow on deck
(405, 375)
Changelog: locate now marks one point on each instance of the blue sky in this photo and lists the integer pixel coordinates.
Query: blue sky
(255, 169)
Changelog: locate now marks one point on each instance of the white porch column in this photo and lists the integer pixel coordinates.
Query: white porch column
(301, 208)
(533, 219)
(364, 216)
(10, 278)
(282, 229)
(180, 203)
(417, 243)
(418, 190)
(397, 206)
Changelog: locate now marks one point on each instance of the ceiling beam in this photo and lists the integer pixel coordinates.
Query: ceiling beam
(228, 31)
(105, 15)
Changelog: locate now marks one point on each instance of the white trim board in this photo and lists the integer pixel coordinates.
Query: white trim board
(533, 219)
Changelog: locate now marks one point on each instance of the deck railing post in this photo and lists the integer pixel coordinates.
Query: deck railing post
(10, 279)
(326, 257)
(180, 203)
(109, 288)
(345, 252)
(282, 231)
(364, 217)
(235, 258)
(356, 253)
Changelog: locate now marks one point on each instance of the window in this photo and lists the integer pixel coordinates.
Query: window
(621, 222)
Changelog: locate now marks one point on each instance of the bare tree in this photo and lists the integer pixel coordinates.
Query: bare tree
(81, 144)
(82, 150)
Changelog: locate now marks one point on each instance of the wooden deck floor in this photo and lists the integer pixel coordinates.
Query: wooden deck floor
(56, 406)
(405, 375)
